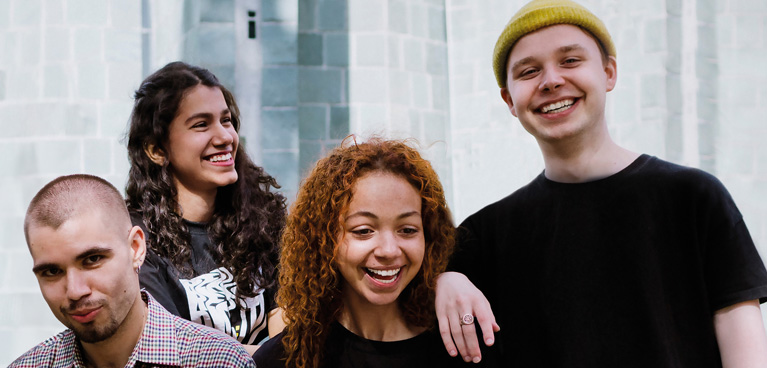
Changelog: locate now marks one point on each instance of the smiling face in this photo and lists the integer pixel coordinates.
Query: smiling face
(557, 82)
(202, 142)
(86, 272)
(381, 247)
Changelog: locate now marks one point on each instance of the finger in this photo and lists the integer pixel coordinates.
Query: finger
(471, 342)
(457, 333)
(487, 325)
(444, 331)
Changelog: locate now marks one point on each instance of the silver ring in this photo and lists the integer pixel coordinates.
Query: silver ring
(467, 319)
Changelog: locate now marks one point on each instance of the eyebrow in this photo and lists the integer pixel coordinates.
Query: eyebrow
(373, 216)
(205, 115)
(87, 253)
(530, 59)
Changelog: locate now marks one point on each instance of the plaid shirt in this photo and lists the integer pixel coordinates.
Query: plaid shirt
(166, 341)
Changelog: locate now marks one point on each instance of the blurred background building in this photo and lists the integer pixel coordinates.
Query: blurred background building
(692, 87)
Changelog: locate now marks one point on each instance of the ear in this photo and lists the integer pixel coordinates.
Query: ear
(138, 246)
(506, 96)
(155, 153)
(611, 70)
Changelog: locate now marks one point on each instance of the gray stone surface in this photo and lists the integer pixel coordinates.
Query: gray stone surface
(281, 43)
(280, 87)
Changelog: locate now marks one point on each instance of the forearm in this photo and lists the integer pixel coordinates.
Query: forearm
(741, 336)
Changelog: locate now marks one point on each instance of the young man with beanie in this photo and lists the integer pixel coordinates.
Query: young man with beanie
(609, 258)
(86, 258)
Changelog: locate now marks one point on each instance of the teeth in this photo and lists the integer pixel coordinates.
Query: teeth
(218, 158)
(559, 106)
(385, 273)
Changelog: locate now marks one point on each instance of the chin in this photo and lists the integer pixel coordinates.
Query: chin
(231, 179)
(383, 299)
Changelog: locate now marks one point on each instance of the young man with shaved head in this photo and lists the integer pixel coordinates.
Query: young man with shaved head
(609, 258)
(86, 259)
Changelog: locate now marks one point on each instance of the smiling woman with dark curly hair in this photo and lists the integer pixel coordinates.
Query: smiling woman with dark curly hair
(212, 217)
(363, 245)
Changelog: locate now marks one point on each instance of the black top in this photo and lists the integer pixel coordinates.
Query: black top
(625, 271)
(344, 349)
(207, 297)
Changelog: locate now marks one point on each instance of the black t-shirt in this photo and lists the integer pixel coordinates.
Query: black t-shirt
(625, 271)
(208, 297)
(344, 349)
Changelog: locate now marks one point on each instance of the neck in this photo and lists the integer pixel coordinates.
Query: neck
(196, 206)
(116, 350)
(378, 323)
(584, 159)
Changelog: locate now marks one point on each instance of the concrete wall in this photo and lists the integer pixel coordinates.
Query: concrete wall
(67, 72)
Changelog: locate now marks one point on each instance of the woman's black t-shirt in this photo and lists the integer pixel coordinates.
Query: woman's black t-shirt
(208, 296)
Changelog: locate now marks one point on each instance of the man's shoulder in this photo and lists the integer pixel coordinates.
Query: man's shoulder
(196, 344)
(211, 345)
(57, 349)
(506, 206)
(656, 171)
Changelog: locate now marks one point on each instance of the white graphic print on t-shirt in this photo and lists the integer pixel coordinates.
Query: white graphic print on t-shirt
(212, 303)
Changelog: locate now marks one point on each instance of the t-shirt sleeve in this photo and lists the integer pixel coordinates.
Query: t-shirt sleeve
(154, 277)
(734, 270)
(468, 257)
(157, 277)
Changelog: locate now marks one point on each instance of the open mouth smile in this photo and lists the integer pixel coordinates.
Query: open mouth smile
(219, 158)
(558, 106)
(384, 276)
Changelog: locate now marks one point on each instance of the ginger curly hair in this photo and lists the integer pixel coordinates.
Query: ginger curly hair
(310, 283)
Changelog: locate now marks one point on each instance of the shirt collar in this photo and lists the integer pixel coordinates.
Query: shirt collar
(157, 344)
(70, 355)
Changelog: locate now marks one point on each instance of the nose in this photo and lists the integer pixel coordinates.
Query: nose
(551, 79)
(77, 285)
(388, 246)
(223, 135)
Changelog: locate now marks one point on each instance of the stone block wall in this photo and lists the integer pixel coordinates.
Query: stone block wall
(67, 72)
(398, 76)
(278, 146)
(323, 78)
(372, 68)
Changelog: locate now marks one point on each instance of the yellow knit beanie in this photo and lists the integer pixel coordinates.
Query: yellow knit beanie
(538, 14)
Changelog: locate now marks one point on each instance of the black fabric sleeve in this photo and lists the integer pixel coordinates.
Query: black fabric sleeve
(734, 270)
(468, 255)
(159, 278)
(155, 277)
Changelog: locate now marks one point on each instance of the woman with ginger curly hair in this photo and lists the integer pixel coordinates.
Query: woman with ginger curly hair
(364, 242)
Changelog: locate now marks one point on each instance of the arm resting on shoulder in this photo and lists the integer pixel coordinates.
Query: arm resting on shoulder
(456, 296)
(741, 336)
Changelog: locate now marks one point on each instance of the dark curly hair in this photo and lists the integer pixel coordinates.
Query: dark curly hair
(310, 283)
(248, 215)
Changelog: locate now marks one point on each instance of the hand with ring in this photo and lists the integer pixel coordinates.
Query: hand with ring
(458, 303)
